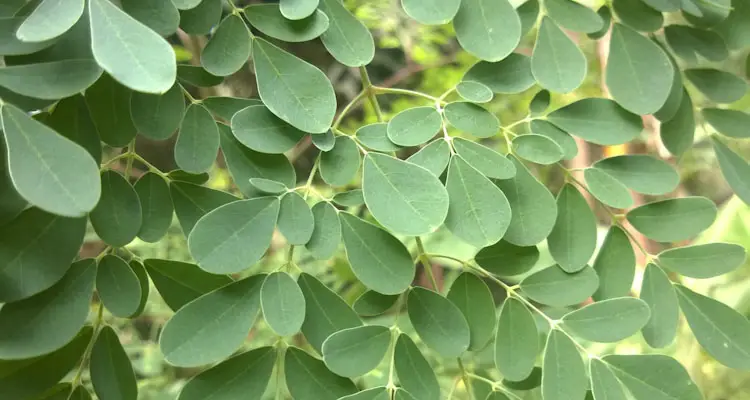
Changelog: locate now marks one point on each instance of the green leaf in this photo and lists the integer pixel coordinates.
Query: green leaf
(211, 327)
(324, 142)
(510, 75)
(608, 321)
(414, 126)
(295, 220)
(734, 168)
(506, 259)
(50, 80)
(133, 54)
(472, 119)
(528, 12)
(375, 137)
(356, 351)
(688, 43)
(48, 170)
(347, 39)
(191, 202)
(478, 212)
(325, 312)
(157, 116)
(225, 107)
(49, 20)
(653, 377)
(438, 322)
(179, 283)
(431, 12)
(307, 378)
(283, 303)
(414, 372)
(326, 234)
(735, 28)
(604, 382)
(658, 293)
(160, 16)
(672, 105)
(33, 327)
(540, 102)
(143, 281)
(228, 48)
(71, 119)
(156, 207)
(117, 217)
(639, 74)
(720, 330)
(732, 123)
(434, 157)
(112, 374)
(11, 203)
(487, 29)
(109, 105)
(718, 86)
(351, 198)
(376, 393)
(79, 393)
(298, 9)
(607, 189)
(268, 186)
(704, 260)
(198, 140)
(259, 129)
(574, 16)
(379, 260)
(403, 197)
(235, 236)
(197, 76)
(339, 166)
(564, 374)
(557, 63)
(637, 15)
(186, 4)
(199, 19)
(516, 341)
(12, 45)
(371, 303)
(563, 139)
(474, 92)
(597, 120)
(615, 265)
(673, 220)
(533, 381)
(533, 207)
(245, 375)
(179, 175)
(553, 286)
(573, 239)
(707, 14)
(537, 149)
(36, 249)
(664, 5)
(641, 173)
(487, 161)
(118, 286)
(293, 89)
(26, 379)
(472, 296)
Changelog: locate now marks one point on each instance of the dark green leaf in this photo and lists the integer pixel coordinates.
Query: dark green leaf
(505, 259)
(516, 341)
(434, 157)
(637, 15)
(735, 29)
(678, 133)
(197, 76)
(674, 100)
(597, 120)
(143, 281)
(326, 234)
(298, 9)
(179, 175)
(487, 29)
(157, 116)
(439, 323)
(414, 372)
(540, 102)
(259, 129)
(117, 218)
(658, 293)
(375, 137)
(356, 351)
(414, 126)
(112, 374)
(339, 166)
(118, 286)
(537, 149)
(653, 377)
(50, 80)
(607, 189)
(533, 381)
(160, 16)
(324, 142)
(487, 161)
(472, 296)
(156, 207)
(704, 260)
(707, 14)
(615, 265)
(472, 119)
(283, 303)
(325, 312)
(564, 374)
(555, 287)
(510, 75)
(608, 321)
(191, 202)
(109, 105)
(528, 12)
(197, 141)
(732, 123)
(199, 19)
(688, 43)
(641, 173)
(351, 198)
(734, 168)
(474, 92)
(718, 86)
(347, 39)
(673, 220)
(307, 378)
(295, 220)
(376, 393)
(11, 203)
(71, 119)
(371, 303)
(573, 239)
(228, 48)
(179, 283)
(557, 63)
(226, 107)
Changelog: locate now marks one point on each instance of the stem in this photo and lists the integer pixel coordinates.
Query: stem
(348, 108)
(308, 184)
(465, 377)
(279, 368)
(369, 89)
(391, 385)
(382, 90)
(189, 96)
(426, 264)
(87, 353)
(149, 165)
(129, 165)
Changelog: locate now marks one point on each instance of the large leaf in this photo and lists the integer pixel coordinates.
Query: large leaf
(50, 80)
(608, 321)
(356, 351)
(516, 341)
(703, 260)
(162, 17)
(734, 168)
(564, 374)
(512, 74)
(244, 375)
(537, 148)
(488, 29)
(673, 220)
(653, 377)
(325, 312)
(112, 374)
(259, 129)
(573, 240)
(118, 286)
(50, 19)
(718, 86)
(326, 234)
(658, 293)
(557, 63)
(109, 105)
(179, 283)
(604, 382)
(597, 120)
(283, 303)
(555, 287)
(414, 372)
(615, 265)
(438, 322)
(229, 47)
(641, 173)
(472, 296)
(347, 39)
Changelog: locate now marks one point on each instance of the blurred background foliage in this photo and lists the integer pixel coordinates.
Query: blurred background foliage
(428, 59)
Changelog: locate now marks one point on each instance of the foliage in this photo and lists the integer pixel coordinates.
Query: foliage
(82, 81)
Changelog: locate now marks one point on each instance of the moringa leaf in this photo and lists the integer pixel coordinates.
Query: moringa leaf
(347, 39)
(557, 63)
(658, 293)
(356, 351)
(516, 341)
(438, 322)
(673, 220)
(489, 30)
(555, 287)
(283, 303)
(608, 321)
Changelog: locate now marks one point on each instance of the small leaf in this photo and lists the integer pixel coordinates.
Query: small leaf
(653, 376)
(50, 80)
(637, 15)
(179, 175)
(658, 293)
(293, 89)
(49, 20)
(283, 304)
(431, 12)
(347, 39)
(117, 218)
(734, 29)
(540, 102)
(197, 76)
(557, 63)
(198, 140)
(688, 43)
(434, 157)
(474, 92)
(555, 287)
(191, 202)
(489, 30)
(133, 54)
(371, 303)
(604, 382)
(439, 323)
(156, 207)
(268, 186)
(537, 149)
(228, 48)
(157, 116)
(235, 236)
(162, 17)
(506, 259)
(375, 137)
(734, 168)
(704, 260)
(109, 105)
(718, 86)
(326, 234)
(356, 351)
(674, 100)
(720, 330)
(325, 312)
(324, 142)
(339, 166)
(143, 281)
(379, 260)
(48, 170)
(510, 75)
(528, 198)
(732, 123)
(245, 375)
(118, 286)
(563, 371)
(573, 16)
(350, 198)
(678, 133)
(673, 220)
(528, 12)
(532, 382)
(295, 220)
(608, 321)
(226, 107)
(298, 9)
(607, 189)
(403, 197)
(487, 161)
(641, 173)
(179, 283)
(597, 120)
(615, 265)
(707, 14)
(307, 378)
(414, 372)
(199, 19)
(414, 126)
(516, 341)
(112, 374)
(472, 119)
(573, 239)
(472, 296)
(563, 139)
(213, 326)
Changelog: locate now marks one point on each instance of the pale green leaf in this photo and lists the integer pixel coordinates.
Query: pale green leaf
(597, 120)
(431, 12)
(350, 198)
(324, 142)
(573, 239)
(537, 149)
(472, 119)
(607, 189)
(197, 141)
(356, 351)
(157, 116)
(563, 371)
(574, 16)
(269, 19)
(474, 92)
(604, 382)
(118, 286)
(555, 287)
(704, 260)
(117, 218)
(50, 80)
(50, 19)
(674, 100)
(414, 126)
(673, 220)
(268, 186)
(375, 137)
(295, 220)
(557, 63)
(438, 322)
(298, 9)
(160, 16)
(112, 374)
(326, 234)
(528, 12)
(658, 293)
(641, 173)
(563, 139)
(325, 312)
(487, 161)
(615, 265)
(540, 102)
(307, 378)
(414, 372)
(228, 48)
(506, 259)
(732, 123)
(282, 303)
(488, 29)
(608, 321)
(434, 157)
(516, 341)
(245, 375)
(688, 43)
(735, 169)
(735, 29)
(707, 14)
(510, 75)
(339, 165)
(226, 107)
(347, 39)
